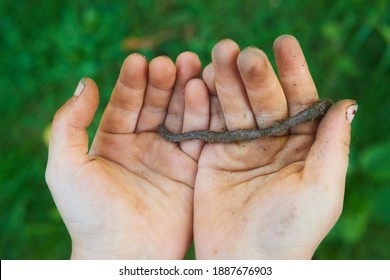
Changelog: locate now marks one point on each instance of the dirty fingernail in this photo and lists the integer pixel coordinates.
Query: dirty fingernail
(351, 112)
(80, 87)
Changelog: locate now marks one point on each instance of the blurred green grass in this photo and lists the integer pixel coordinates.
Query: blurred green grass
(47, 46)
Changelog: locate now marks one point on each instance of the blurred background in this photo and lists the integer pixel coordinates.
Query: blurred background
(47, 46)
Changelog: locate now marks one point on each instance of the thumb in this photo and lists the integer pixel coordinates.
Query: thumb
(69, 139)
(327, 161)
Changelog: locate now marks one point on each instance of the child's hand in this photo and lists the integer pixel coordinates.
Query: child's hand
(275, 197)
(131, 195)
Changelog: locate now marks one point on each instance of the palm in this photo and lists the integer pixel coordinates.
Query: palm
(252, 198)
(138, 195)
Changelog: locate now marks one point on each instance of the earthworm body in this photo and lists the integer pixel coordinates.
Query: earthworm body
(316, 110)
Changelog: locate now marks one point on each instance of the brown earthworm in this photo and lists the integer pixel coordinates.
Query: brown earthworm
(316, 110)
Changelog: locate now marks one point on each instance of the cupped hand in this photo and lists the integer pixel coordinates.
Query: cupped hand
(131, 195)
(275, 197)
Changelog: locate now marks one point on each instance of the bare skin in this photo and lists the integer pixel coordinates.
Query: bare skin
(125, 199)
(276, 197)
(132, 196)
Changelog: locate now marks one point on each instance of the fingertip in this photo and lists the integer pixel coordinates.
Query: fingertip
(86, 93)
(189, 59)
(208, 77)
(134, 72)
(245, 59)
(68, 137)
(134, 59)
(162, 61)
(327, 161)
(91, 88)
(188, 66)
(80, 87)
(223, 51)
(254, 66)
(288, 54)
(77, 113)
(351, 112)
(87, 102)
(162, 73)
(283, 39)
(334, 130)
(338, 117)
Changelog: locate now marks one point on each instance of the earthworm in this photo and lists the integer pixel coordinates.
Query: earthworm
(316, 110)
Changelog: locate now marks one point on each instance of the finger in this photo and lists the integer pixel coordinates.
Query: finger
(230, 88)
(295, 79)
(69, 139)
(122, 111)
(208, 77)
(162, 76)
(188, 66)
(327, 161)
(265, 93)
(196, 115)
(217, 120)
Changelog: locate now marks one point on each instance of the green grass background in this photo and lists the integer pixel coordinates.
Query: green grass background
(47, 46)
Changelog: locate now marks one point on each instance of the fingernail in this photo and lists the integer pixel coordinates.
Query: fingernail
(351, 111)
(80, 87)
(146, 58)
